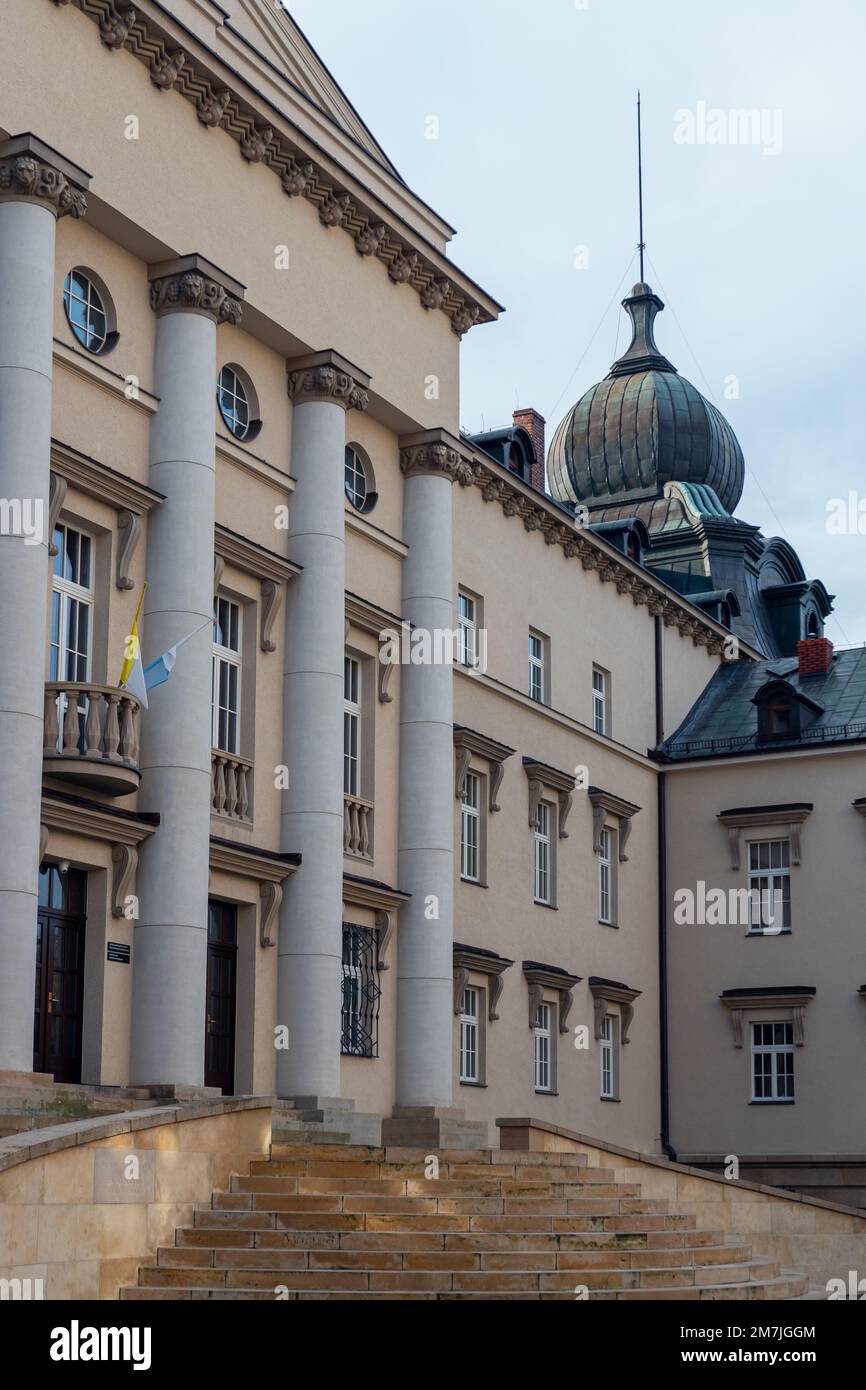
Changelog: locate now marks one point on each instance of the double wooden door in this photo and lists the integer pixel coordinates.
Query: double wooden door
(222, 981)
(59, 1004)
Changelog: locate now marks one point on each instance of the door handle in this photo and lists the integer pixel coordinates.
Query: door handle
(210, 1024)
(51, 1002)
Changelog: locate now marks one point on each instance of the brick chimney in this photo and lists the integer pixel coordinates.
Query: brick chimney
(533, 423)
(815, 655)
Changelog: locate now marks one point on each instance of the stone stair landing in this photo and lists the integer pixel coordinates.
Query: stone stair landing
(345, 1221)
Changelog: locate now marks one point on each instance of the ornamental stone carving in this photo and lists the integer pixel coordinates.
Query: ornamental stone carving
(435, 295)
(254, 145)
(369, 239)
(114, 26)
(193, 291)
(335, 210)
(436, 458)
(296, 178)
(211, 106)
(165, 70)
(328, 377)
(465, 318)
(27, 177)
(404, 268)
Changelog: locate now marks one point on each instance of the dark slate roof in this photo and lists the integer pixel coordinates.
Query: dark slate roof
(643, 426)
(724, 720)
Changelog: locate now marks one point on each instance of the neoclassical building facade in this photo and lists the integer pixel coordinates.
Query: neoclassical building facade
(397, 832)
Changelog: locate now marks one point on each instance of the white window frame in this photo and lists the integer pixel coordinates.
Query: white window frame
(600, 701)
(353, 716)
(542, 863)
(230, 659)
(607, 877)
(71, 592)
(468, 614)
(770, 881)
(544, 1055)
(609, 1057)
(471, 828)
(537, 668)
(470, 1037)
(777, 1075)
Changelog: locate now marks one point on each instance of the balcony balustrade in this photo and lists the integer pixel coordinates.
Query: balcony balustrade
(91, 736)
(231, 786)
(358, 827)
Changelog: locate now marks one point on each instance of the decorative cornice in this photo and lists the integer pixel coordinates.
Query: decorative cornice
(541, 776)
(96, 479)
(435, 453)
(794, 997)
(33, 172)
(74, 815)
(382, 625)
(216, 105)
(606, 992)
(251, 558)
(606, 804)
(330, 377)
(469, 741)
(539, 514)
(385, 902)
(471, 958)
(792, 817)
(233, 857)
(541, 977)
(192, 284)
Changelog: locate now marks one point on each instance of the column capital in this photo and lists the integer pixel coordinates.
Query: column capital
(33, 172)
(435, 453)
(327, 376)
(194, 285)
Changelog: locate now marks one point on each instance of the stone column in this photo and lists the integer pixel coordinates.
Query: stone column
(322, 387)
(190, 297)
(430, 464)
(37, 185)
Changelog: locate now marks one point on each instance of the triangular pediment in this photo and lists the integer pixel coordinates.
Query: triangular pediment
(274, 34)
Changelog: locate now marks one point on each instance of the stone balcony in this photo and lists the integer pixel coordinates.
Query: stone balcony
(231, 786)
(357, 827)
(91, 737)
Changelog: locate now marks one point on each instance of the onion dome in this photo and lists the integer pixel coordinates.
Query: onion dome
(641, 427)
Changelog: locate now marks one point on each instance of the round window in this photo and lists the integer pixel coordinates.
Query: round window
(359, 480)
(233, 396)
(89, 311)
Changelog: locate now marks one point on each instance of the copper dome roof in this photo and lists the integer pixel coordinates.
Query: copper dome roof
(642, 427)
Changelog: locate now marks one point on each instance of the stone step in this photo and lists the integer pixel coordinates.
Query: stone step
(507, 1185)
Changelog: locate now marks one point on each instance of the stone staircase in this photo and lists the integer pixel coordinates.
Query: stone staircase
(339, 1221)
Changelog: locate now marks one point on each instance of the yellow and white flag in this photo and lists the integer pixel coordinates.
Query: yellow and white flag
(132, 675)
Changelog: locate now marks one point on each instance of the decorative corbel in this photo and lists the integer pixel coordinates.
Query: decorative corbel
(129, 533)
(461, 979)
(794, 837)
(791, 817)
(565, 800)
(793, 1001)
(219, 565)
(464, 758)
(270, 895)
(56, 497)
(271, 598)
(385, 928)
(536, 997)
(606, 992)
(605, 804)
(734, 845)
(124, 859)
(540, 977)
(536, 793)
(43, 842)
(737, 1026)
(497, 772)
(386, 669)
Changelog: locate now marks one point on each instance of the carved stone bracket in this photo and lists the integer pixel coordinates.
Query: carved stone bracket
(271, 896)
(790, 817)
(385, 922)
(605, 804)
(272, 594)
(541, 777)
(435, 453)
(606, 992)
(541, 977)
(129, 534)
(329, 377)
(219, 566)
(468, 959)
(33, 171)
(792, 1001)
(384, 902)
(192, 284)
(43, 841)
(467, 742)
(56, 497)
(124, 859)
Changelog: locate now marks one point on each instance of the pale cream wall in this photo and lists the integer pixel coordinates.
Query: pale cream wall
(710, 1077)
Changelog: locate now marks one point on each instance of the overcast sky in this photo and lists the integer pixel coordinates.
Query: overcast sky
(757, 248)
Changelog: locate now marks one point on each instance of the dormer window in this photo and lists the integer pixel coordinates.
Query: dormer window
(783, 711)
(780, 719)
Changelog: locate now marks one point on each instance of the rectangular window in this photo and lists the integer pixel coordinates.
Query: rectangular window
(600, 701)
(609, 1057)
(71, 606)
(770, 885)
(772, 1061)
(470, 1037)
(351, 727)
(226, 676)
(543, 1035)
(470, 829)
(543, 855)
(467, 629)
(537, 685)
(607, 878)
(359, 1017)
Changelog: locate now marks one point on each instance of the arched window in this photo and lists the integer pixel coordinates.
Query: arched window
(89, 311)
(360, 483)
(237, 403)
